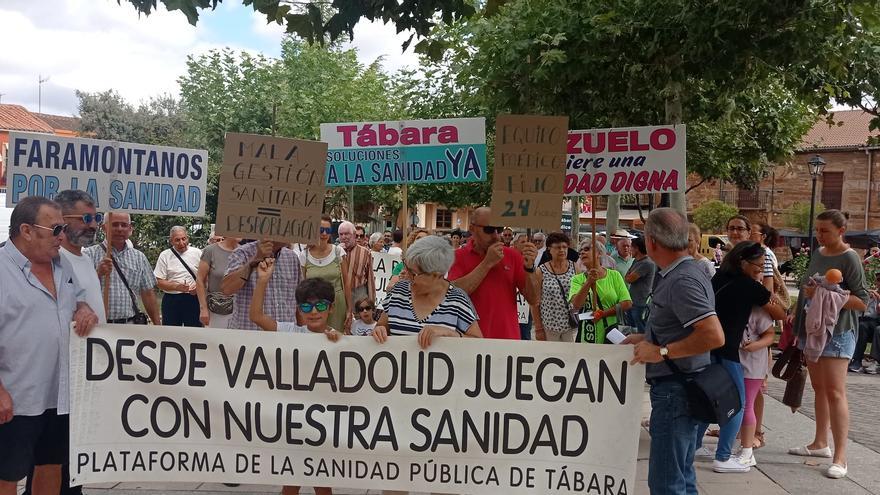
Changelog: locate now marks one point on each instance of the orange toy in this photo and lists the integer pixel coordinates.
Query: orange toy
(833, 276)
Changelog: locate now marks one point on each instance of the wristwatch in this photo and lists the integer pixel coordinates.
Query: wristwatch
(664, 352)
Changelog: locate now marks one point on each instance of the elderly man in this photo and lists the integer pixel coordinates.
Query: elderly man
(176, 276)
(131, 264)
(682, 328)
(623, 257)
(360, 265)
(240, 280)
(39, 297)
(83, 222)
(492, 273)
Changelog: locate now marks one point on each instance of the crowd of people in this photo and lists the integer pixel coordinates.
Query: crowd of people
(676, 309)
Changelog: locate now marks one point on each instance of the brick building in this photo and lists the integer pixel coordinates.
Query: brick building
(850, 181)
(18, 118)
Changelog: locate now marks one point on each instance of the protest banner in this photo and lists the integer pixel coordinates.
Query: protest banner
(522, 308)
(121, 177)
(463, 416)
(405, 152)
(626, 160)
(529, 171)
(271, 188)
(383, 264)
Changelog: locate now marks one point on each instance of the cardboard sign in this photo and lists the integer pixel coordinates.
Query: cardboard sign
(626, 160)
(383, 265)
(122, 177)
(405, 152)
(529, 171)
(462, 416)
(271, 188)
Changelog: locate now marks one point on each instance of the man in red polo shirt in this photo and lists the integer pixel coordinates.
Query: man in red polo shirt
(491, 274)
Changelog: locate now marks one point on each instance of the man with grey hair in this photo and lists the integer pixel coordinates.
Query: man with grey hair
(39, 297)
(83, 221)
(360, 266)
(682, 329)
(176, 275)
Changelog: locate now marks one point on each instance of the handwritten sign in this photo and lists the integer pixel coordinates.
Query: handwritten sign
(405, 152)
(271, 188)
(627, 160)
(123, 177)
(529, 171)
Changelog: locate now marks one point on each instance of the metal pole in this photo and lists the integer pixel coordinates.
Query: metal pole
(812, 212)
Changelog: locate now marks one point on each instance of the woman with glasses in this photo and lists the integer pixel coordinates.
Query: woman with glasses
(737, 291)
(315, 298)
(552, 321)
(425, 303)
(327, 261)
(397, 271)
(600, 291)
(828, 373)
(738, 229)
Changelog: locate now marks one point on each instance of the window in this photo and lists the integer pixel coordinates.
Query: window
(832, 190)
(444, 219)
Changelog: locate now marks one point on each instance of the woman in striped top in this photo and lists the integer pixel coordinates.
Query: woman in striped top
(426, 304)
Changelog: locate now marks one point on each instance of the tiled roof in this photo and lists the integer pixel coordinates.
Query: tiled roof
(17, 118)
(852, 132)
(61, 122)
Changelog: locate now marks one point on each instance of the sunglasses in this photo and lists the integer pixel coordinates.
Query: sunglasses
(365, 308)
(87, 218)
(326, 230)
(360, 236)
(488, 229)
(322, 305)
(56, 230)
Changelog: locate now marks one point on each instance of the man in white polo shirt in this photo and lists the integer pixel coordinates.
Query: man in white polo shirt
(176, 275)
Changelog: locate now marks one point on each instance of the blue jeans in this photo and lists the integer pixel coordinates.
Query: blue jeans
(671, 465)
(634, 317)
(727, 433)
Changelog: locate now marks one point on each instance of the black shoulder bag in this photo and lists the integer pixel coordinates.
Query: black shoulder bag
(139, 318)
(712, 395)
(573, 321)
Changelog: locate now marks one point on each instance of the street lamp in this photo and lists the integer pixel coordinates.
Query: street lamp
(816, 165)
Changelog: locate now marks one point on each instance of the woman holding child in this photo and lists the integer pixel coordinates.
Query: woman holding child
(828, 371)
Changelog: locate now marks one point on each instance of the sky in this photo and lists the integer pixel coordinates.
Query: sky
(95, 45)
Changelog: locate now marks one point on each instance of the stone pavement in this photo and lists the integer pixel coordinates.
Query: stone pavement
(777, 473)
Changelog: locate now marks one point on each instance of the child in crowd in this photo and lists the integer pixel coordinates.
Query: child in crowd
(314, 304)
(755, 360)
(365, 323)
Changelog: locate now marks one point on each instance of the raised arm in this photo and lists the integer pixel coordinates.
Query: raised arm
(255, 312)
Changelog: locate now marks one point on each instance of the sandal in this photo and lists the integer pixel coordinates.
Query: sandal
(759, 440)
(713, 433)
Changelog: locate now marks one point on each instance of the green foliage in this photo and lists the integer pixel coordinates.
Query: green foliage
(872, 269)
(797, 216)
(799, 266)
(712, 216)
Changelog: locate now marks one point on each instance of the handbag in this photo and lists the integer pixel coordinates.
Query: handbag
(789, 363)
(139, 318)
(794, 389)
(219, 303)
(780, 290)
(572, 314)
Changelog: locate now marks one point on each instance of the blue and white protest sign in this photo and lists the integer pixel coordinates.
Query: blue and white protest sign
(405, 152)
(122, 177)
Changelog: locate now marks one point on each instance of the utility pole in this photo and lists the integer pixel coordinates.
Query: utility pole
(40, 92)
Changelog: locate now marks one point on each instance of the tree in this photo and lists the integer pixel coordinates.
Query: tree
(712, 216)
(797, 216)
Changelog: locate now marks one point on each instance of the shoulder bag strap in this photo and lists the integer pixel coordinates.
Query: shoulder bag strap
(193, 275)
(124, 281)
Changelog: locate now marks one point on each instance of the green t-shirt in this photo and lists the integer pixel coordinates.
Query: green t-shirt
(612, 290)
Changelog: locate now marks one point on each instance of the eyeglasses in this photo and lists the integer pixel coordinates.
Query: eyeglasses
(87, 218)
(736, 229)
(322, 305)
(56, 230)
(488, 229)
(326, 230)
(755, 264)
(365, 308)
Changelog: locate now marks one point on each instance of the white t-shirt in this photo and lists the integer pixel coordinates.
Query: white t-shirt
(168, 267)
(87, 277)
(326, 260)
(755, 364)
(291, 327)
(358, 327)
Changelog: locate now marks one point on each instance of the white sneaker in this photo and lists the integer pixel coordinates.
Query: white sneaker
(704, 454)
(750, 462)
(732, 465)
